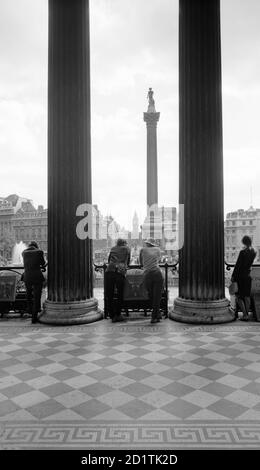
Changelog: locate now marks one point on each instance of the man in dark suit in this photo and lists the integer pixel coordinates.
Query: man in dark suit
(34, 264)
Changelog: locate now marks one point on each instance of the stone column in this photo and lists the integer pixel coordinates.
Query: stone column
(151, 119)
(201, 270)
(70, 276)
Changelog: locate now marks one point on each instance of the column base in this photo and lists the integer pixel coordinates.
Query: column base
(196, 311)
(70, 313)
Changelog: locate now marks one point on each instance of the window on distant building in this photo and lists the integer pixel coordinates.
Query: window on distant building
(250, 222)
(244, 222)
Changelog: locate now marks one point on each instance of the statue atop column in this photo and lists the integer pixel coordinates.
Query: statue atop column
(151, 104)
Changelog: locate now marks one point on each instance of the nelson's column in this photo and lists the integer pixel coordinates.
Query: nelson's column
(70, 277)
(152, 224)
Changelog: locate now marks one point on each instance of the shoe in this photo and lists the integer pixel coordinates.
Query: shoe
(34, 319)
(154, 320)
(158, 319)
(233, 312)
(120, 318)
(243, 318)
(114, 319)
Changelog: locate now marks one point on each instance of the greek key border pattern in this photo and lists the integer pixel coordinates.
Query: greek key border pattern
(144, 436)
(104, 329)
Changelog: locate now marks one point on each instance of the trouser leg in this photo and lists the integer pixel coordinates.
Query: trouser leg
(252, 306)
(157, 293)
(110, 287)
(37, 292)
(247, 304)
(242, 306)
(29, 297)
(120, 282)
(149, 286)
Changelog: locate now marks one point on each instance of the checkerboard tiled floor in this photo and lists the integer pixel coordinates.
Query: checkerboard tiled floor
(130, 385)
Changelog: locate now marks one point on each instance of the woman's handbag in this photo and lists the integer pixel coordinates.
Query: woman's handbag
(233, 288)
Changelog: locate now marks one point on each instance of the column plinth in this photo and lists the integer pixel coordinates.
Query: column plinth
(201, 259)
(70, 276)
(71, 313)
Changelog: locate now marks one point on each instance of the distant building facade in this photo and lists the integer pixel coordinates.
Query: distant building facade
(31, 224)
(237, 224)
(161, 224)
(21, 219)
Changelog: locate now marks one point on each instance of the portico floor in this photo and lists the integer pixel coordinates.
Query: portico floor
(132, 385)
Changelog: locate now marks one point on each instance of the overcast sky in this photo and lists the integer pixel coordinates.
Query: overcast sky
(134, 46)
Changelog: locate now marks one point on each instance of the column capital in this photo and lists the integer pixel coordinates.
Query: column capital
(151, 119)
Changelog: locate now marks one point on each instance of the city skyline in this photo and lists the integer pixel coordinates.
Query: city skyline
(122, 71)
(135, 218)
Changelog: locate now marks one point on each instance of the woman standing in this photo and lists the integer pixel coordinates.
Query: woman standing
(241, 275)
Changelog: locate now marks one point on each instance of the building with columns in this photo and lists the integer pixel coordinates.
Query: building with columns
(9, 206)
(237, 224)
(20, 220)
(31, 224)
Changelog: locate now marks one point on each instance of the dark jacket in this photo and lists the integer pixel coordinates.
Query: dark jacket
(33, 260)
(119, 259)
(243, 265)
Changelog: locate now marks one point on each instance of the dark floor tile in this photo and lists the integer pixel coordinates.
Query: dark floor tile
(65, 374)
(218, 389)
(46, 408)
(136, 409)
(15, 390)
(6, 407)
(227, 408)
(91, 409)
(177, 389)
(56, 389)
(210, 374)
(181, 408)
(96, 389)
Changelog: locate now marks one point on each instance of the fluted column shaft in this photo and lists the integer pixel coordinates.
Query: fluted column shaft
(151, 120)
(201, 268)
(69, 158)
